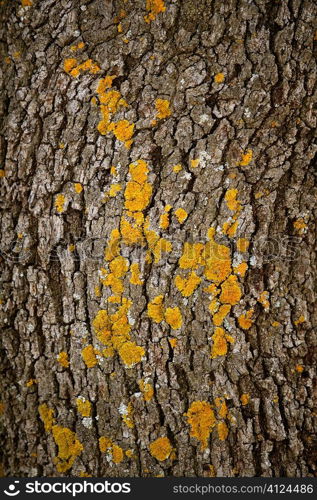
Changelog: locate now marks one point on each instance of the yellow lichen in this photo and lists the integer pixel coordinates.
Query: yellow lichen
(218, 261)
(164, 221)
(230, 228)
(114, 190)
(221, 314)
(154, 7)
(246, 158)
(245, 320)
(177, 168)
(146, 389)
(221, 407)
(243, 245)
(192, 256)
(69, 447)
(241, 269)
(155, 309)
(264, 300)
(60, 203)
(78, 187)
(231, 200)
(173, 317)
(222, 431)
(127, 416)
(112, 250)
(245, 398)
(299, 368)
(195, 162)
(181, 215)
(123, 131)
(135, 274)
(62, 358)
(162, 108)
(138, 191)
(2, 173)
(26, 3)
(201, 419)
(300, 320)
(220, 342)
(72, 67)
(105, 444)
(173, 342)
(300, 225)
(230, 291)
(83, 407)
(130, 353)
(46, 415)
(161, 448)
(31, 382)
(89, 356)
(187, 285)
(219, 77)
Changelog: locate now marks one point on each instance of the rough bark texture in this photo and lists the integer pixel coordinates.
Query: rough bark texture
(240, 77)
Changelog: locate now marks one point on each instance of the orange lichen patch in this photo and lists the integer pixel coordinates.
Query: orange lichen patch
(26, 3)
(138, 191)
(114, 190)
(264, 300)
(2, 173)
(155, 309)
(31, 382)
(131, 234)
(219, 78)
(195, 162)
(113, 247)
(192, 256)
(146, 389)
(78, 187)
(181, 215)
(218, 262)
(246, 158)
(69, 447)
(221, 407)
(230, 291)
(154, 7)
(161, 448)
(258, 195)
(119, 27)
(212, 289)
(130, 353)
(83, 406)
(104, 444)
(129, 453)
(173, 342)
(245, 320)
(2, 408)
(78, 46)
(162, 108)
(177, 168)
(119, 266)
(72, 67)
(201, 419)
(220, 342)
(187, 285)
(46, 415)
(62, 358)
(123, 131)
(222, 431)
(127, 415)
(221, 314)
(299, 368)
(245, 398)
(135, 274)
(173, 317)
(89, 356)
(113, 170)
(164, 221)
(241, 269)
(300, 225)
(300, 320)
(230, 228)
(82, 473)
(60, 203)
(213, 306)
(275, 324)
(231, 200)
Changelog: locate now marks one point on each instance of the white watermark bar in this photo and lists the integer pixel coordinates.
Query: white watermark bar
(163, 488)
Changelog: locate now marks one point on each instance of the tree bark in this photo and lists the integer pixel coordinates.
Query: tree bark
(224, 92)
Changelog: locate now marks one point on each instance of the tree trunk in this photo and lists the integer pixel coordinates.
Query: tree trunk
(158, 238)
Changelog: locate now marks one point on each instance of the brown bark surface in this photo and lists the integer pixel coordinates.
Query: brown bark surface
(239, 78)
